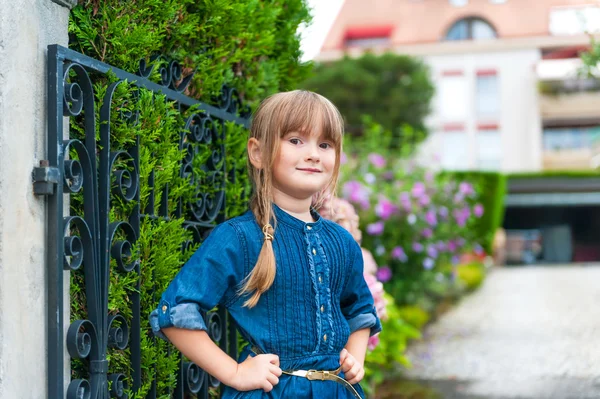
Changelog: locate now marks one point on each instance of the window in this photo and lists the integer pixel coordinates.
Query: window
(487, 96)
(470, 29)
(489, 149)
(454, 150)
(567, 138)
(453, 97)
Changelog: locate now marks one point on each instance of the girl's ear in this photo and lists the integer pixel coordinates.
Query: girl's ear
(254, 153)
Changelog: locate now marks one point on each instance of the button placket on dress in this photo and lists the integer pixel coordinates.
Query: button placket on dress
(323, 292)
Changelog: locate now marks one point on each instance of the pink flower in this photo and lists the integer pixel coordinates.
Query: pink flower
(384, 274)
(427, 233)
(377, 160)
(385, 208)
(343, 158)
(417, 247)
(375, 229)
(478, 210)
(373, 342)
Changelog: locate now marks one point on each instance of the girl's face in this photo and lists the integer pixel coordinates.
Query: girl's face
(304, 164)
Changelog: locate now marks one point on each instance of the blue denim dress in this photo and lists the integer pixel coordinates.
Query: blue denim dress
(318, 299)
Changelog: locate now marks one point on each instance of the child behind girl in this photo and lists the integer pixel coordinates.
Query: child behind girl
(292, 281)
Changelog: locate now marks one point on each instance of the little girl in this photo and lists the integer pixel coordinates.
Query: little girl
(292, 280)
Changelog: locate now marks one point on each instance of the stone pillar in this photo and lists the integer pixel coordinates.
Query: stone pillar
(27, 27)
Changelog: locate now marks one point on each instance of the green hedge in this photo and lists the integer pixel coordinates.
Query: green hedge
(492, 189)
(250, 45)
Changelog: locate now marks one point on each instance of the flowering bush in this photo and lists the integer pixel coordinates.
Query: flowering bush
(416, 223)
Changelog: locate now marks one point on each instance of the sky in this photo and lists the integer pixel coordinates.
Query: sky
(313, 36)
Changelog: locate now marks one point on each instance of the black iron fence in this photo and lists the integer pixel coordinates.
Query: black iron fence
(92, 242)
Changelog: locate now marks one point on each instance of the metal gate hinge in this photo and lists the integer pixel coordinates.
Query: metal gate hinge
(45, 179)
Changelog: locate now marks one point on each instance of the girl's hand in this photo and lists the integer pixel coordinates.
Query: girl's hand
(353, 370)
(259, 372)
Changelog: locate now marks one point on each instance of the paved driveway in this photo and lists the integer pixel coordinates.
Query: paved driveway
(528, 332)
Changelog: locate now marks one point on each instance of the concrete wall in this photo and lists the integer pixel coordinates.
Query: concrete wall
(27, 27)
(519, 120)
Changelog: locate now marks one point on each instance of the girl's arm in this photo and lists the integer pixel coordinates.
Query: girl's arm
(357, 344)
(260, 372)
(352, 357)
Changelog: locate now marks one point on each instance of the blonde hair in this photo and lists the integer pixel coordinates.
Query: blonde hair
(278, 115)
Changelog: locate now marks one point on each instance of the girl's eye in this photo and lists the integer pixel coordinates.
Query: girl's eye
(325, 146)
(295, 141)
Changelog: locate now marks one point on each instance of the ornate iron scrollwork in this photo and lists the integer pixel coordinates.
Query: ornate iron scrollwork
(91, 243)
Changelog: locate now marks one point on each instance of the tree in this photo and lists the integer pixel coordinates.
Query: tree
(394, 90)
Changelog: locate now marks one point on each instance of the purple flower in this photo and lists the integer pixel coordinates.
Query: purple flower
(462, 215)
(343, 158)
(383, 274)
(478, 210)
(417, 247)
(429, 176)
(441, 246)
(428, 263)
(424, 200)
(427, 233)
(455, 260)
(399, 254)
(405, 201)
(389, 175)
(375, 229)
(432, 252)
(478, 249)
(459, 198)
(466, 189)
(430, 218)
(385, 208)
(377, 160)
(443, 212)
(411, 219)
(418, 190)
(452, 246)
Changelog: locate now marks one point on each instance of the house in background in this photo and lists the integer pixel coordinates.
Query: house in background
(508, 98)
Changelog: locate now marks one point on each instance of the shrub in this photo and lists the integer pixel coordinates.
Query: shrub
(412, 221)
(395, 90)
(251, 46)
(492, 192)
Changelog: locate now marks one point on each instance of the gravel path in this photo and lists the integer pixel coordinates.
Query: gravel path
(530, 332)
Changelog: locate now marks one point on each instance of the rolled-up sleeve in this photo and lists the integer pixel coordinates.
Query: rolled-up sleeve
(356, 300)
(202, 283)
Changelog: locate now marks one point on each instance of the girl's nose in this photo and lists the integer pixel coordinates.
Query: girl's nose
(313, 154)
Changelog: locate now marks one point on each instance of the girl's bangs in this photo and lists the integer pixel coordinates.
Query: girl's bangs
(313, 114)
